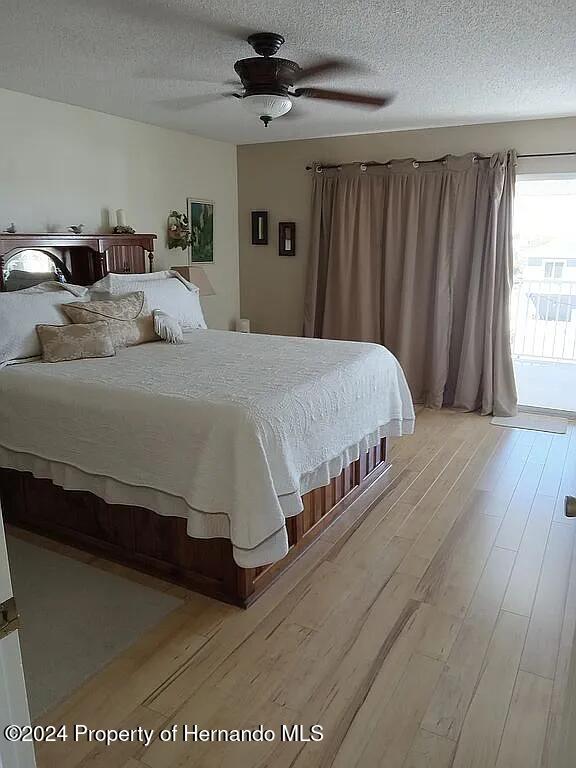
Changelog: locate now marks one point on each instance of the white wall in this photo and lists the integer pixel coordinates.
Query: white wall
(62, 165)
(272, 177)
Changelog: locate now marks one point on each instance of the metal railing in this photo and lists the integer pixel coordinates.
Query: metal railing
(543, 315)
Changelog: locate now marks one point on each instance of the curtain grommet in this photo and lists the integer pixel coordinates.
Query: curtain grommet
(475, 158)
(363, 167)
(415, 164)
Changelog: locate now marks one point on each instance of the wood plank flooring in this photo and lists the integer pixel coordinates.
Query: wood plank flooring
(435, 633)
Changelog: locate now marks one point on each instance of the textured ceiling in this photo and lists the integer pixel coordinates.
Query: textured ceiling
(448, 61)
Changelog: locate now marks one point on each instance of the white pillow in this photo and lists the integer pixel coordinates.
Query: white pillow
(20, 313)
(54, 285)
(115, 280)
(177, 298)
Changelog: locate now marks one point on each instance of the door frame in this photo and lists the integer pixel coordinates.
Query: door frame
(13, 698)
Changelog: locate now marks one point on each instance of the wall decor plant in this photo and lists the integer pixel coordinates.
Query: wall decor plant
(178, 233)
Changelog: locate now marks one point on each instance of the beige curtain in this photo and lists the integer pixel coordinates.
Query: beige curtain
(418, 257)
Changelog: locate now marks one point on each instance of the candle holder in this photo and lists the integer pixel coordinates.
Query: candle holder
(259, 227)
(287, 238)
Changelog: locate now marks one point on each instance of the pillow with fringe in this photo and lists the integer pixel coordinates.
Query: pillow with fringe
(167, 327)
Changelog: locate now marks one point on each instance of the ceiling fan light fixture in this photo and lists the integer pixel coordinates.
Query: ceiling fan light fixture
(267, 106)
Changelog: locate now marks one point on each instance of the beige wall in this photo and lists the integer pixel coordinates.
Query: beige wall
(61, 165)
(272, 177)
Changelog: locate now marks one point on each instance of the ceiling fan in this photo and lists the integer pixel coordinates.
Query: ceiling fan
(269, 83)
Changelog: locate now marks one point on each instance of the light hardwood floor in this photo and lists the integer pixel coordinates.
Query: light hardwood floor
(436, 633)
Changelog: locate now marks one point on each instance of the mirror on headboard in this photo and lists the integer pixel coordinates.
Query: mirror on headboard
(30, 266)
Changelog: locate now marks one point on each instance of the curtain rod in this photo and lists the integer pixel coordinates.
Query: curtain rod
(439, 159)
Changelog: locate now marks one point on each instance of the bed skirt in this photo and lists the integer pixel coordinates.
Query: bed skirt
(199, 524)
(161, 545)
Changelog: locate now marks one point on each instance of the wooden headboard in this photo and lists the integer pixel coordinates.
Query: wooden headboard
(85, 258)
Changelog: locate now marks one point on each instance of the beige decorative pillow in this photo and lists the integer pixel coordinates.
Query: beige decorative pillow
(75, 342)
(127, 321)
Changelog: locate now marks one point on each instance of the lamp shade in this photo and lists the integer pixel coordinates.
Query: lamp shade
(267, 105)
(198, 277)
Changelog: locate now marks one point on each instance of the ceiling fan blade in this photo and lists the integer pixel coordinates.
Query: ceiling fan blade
(327, 66)
(357, 98)
(179, 76)
(190, 102)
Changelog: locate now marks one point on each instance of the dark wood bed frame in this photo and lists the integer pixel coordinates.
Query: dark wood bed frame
(159, 545)
(83, 259)
(138, 537)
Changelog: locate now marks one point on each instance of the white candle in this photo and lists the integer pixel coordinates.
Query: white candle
(121, 217)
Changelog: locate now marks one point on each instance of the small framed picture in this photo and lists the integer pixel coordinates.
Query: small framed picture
(287, 238)
(201, 222)
(259, 227)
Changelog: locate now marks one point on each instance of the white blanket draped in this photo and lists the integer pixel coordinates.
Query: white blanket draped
(227, 430)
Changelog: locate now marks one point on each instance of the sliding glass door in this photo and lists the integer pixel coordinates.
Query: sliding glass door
(543, 311)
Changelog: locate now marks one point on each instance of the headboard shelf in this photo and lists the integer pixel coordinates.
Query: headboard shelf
(87, 257)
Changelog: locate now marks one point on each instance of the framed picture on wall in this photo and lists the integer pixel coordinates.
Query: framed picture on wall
(287, 238)
(201, 219)
(259, 227)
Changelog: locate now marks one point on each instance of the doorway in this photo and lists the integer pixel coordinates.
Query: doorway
(543, 307)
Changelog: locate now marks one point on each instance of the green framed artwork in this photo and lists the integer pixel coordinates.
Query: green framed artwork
(201, 219)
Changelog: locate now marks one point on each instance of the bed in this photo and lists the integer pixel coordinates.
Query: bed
(213, 463)
(221, 437)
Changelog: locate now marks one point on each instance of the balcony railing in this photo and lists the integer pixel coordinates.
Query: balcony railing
(543, 314)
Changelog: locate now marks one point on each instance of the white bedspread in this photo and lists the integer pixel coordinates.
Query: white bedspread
(227, 430)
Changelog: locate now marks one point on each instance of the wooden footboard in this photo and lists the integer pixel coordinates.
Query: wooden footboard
(160, 545)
